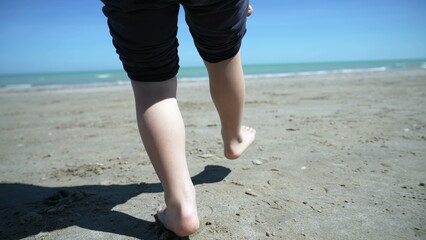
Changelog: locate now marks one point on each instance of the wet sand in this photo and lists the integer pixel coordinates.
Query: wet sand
(337, 156)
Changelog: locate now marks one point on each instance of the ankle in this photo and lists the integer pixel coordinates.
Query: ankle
(231, 134)
(179, 196)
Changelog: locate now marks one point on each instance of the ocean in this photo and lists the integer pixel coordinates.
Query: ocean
(116, 77)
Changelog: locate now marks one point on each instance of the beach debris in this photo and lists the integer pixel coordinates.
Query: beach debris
(207, 155)
(406, 129)
(47, 155)
(421, 184)
(292, 129)
(258, 219)
(316, 210)
(251, 192)
(208, 223)
(237, 183)
(257, 162)
(303, 167)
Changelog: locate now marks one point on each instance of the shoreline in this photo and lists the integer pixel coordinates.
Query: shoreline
(25, 87)
(117, 77)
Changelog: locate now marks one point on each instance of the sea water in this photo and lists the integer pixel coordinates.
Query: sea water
(116, 77)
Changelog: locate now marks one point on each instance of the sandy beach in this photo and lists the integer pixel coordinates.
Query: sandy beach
(337, 156)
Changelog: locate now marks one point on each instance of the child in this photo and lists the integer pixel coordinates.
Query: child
(144, 35)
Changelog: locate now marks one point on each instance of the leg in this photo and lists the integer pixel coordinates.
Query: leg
(218, 30)
(163, 134)
(149, 55)
(227, 89)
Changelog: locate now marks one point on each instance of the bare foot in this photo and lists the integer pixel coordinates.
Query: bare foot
(182, 222)
(237, 145)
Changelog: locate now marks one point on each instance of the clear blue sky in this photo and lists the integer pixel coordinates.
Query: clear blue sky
(59, 35)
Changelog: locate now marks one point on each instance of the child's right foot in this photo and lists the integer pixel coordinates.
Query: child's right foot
(236, 146)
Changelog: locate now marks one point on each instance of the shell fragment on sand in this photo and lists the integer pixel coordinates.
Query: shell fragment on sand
(257, 162)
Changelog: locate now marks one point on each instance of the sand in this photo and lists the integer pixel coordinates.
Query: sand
(337, 156)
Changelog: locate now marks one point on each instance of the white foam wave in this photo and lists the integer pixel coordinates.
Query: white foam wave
(278, 75)
(275, 75)
(202, 78)
(378, 69)
(123, 82)
(268, 75)
(19, 86)
(193, 79)
(103, 76)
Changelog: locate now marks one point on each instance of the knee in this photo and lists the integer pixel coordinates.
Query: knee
(149, 93)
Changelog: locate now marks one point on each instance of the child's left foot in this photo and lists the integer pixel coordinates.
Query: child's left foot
(183, 220)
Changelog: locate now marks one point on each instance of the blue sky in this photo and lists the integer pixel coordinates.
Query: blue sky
(59, 35)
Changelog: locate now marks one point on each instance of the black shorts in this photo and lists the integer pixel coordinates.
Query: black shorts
(144, 33)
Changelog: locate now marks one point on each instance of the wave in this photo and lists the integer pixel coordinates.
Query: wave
(103, 76)
(193, 78)
(322, 72)
(68, 85)
(256, 71)
(18, 86)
